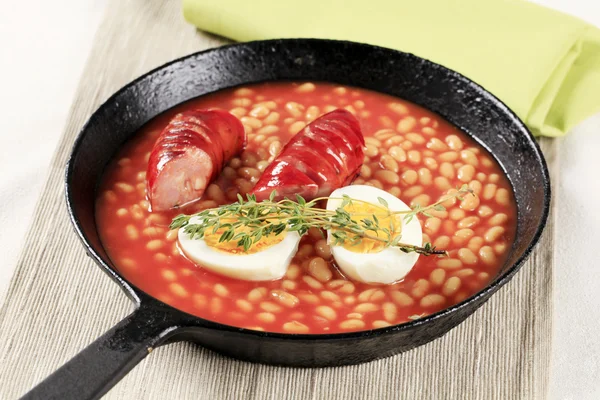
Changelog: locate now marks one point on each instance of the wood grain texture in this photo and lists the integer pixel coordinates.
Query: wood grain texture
(59, 301)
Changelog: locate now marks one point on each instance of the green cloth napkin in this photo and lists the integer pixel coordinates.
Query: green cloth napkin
(543, 64)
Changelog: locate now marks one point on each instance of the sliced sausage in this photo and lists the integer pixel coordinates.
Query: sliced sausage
(189, 153)
(327, 154)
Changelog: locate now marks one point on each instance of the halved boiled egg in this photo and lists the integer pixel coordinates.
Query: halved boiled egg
(268, 259)
(371, 261)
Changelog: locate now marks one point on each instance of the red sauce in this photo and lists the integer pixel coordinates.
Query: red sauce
(426, 157)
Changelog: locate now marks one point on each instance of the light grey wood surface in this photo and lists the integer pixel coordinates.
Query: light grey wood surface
(59, 301)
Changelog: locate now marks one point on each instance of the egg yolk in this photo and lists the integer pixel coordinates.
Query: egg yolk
(359, 211)
(231, 246)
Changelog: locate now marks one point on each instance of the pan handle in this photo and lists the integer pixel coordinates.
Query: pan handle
(98, 367)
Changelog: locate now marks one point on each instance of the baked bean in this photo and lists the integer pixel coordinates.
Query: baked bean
(350, 109)
(410, 177)
(252, 122)
(221, 290)
(448, 156)
(432, 300)
(470, 202)
(155, 244)
(415, 138)
(500, 248)
(238, 111)
(328, 295)
(136, 212)
(442, 183)
(390, 311)
(451, 286)
(449, 263)
(454, 142)
(268, 130)
(436, 145)
(132, 232)
(257, 294)
(309, 298)
(469, 157)
(349, 300)
(371, 151)
(295, 109)
(467, 256)
(456, 214)
(340, 90)
(498, 219)
(486, 253)
(122, 212)
(244, 186)
(406, 124)
(485, 211)
(359, 104)
(341, 286)
(364, 308)
(259, 112)
(372, 294)
(312, 282)
(432, 225)
(475, 244)
(269, 306)
(494, 178)
(414, 157)
(326, 312)
(465, 173)
(285, 298)
(199, 300)
(249, 172)
(243, 92)
(437, 276)
(397, 154)
(215, 193)
(502, 197)
(389, 163)
(244, 305)
(288, 285)
(425, 177)
(375, 183)
(296, 127)
(395, 191)
(483, 276)
(262, 165)
(398, 108)
(319, 269)
(447, 170)
(389, 177)
(493, 234)
(394, 141)
(352, 324)
(365, 171)
(312, 113)
(441, 242)
(160, 257)
(306, 88)
(266, 317)
(153, 231)
(401, 298)
(323, 249)
(420, 288)
(430, 163)
(272, 118)
(489, 191)
(422, 199)
(305, 251)
(168, 274)
(463, 273)
(413, 191)
(465, 234)
(178, 290)
(380, 324)
(124, 187)
(275, 148)
(468, 222)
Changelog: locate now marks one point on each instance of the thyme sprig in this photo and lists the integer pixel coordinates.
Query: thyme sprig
(247, 221)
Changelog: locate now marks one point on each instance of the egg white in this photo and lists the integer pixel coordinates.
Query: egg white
(390, 264)
(269, 264)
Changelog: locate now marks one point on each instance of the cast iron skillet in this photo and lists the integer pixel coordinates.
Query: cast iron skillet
(98, 367)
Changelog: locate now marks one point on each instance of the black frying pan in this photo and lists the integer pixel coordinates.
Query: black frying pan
(98, 367)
